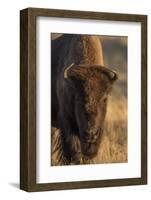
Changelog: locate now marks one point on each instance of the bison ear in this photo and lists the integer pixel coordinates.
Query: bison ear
(112, 75)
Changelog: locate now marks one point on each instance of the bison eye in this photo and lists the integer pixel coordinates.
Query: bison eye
(104, 100)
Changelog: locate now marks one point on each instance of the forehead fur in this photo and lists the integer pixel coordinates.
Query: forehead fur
(96, 86)
(96, 82)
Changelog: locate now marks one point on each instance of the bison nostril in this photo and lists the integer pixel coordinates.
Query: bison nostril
(97, 133)
(95, 137)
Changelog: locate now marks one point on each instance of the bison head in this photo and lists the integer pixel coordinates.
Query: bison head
(92, 84)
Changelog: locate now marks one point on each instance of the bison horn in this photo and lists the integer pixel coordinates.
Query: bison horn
(66, 71)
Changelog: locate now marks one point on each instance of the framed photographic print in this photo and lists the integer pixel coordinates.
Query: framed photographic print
(83, 93)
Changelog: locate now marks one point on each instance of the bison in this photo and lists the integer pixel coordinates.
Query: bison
(80, 88)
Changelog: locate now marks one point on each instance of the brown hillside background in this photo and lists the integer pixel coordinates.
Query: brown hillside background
(113, 148)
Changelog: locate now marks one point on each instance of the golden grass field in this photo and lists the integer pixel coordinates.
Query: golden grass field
(113, 147)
